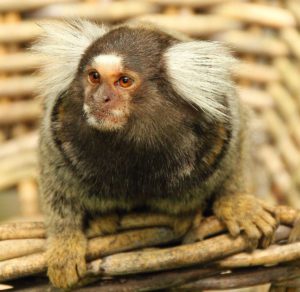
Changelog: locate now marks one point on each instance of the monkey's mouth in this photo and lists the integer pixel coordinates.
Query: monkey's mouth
(106, 120)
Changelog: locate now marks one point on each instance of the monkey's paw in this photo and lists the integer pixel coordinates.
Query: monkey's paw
(249, 214)
(66, 260)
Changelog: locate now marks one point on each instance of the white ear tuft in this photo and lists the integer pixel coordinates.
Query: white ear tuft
(200, 72)
(62, 44)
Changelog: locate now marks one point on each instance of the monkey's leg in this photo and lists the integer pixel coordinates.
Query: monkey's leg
(102, 225)
(66, 249)
(179, 223)
(243, 212)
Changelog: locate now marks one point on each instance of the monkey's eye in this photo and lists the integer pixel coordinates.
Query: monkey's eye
(94, 77)
(125, 81)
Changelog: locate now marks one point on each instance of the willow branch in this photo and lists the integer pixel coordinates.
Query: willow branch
(243, 278)
(102, 246)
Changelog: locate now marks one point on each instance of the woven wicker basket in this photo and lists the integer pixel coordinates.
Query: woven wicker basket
(264, 35)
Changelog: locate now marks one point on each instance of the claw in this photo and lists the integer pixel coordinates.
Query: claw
(247, 213)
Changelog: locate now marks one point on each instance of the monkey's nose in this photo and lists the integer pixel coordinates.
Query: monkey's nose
(106, 99)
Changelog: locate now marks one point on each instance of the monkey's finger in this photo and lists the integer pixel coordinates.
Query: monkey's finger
(267, 206)
(252, 233)
(269, 219)
(266, 241)
(81, 268)
(267, 231)
(233, 227)
(191, 236)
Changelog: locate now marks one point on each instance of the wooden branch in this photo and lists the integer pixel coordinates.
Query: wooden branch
(21, 5)
(255, 98)
(21, 230)
(255, 72)
(153, 260)
(16, 248)
(294, 7)
(210, 225)
(11, 179)
(16, 146)
(244, 278)
(22, 160)
(18, 62)
(168, 258)
(101, 11)
(279, 132)
(19, 32)
(292, 37)
(287, 215)
(152, 282)
(20, 111)
(287, 107)
(266, 15)
(289, 71)
(250, 43)
(189, 3)
(271, 256)
(36, 263)
(194, 25)
(18, 86)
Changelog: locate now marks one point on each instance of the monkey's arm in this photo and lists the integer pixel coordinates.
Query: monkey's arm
(66, 246)
(235, 205)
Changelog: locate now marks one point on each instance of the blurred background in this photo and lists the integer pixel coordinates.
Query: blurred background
(264, 35)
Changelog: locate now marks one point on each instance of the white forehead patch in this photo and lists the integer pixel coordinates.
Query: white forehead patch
(108, 61)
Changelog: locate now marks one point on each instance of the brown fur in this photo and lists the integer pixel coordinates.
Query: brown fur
(170, 157)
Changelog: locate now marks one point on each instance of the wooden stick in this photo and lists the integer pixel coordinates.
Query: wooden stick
(139, 262)
(255, 72)
(11, 179)
(36, 263)
(168, 258)
(19, 32)
(258, 44)
(101, 246)
(21, 5)
(18, 62)
(18, 86)
(271, 256)
(156, 281)
(289, 72)
(294, 7)
(16, 146)
(292, 37)
(194, 25)
(14, 248)
(287, 107)
(210, 225)
(12, 163)
(275, 167)
(29, 198)
(279, 132)
(266, 15)
(189, 3)
(255, 98)
(287, 215)
(101, 11)
(20, 111)
(22, 230)
(243, 278)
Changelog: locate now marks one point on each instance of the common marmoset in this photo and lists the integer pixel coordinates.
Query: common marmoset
(137, 119)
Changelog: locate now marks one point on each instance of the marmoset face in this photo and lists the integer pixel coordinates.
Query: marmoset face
(109, 89)
(120, 73)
